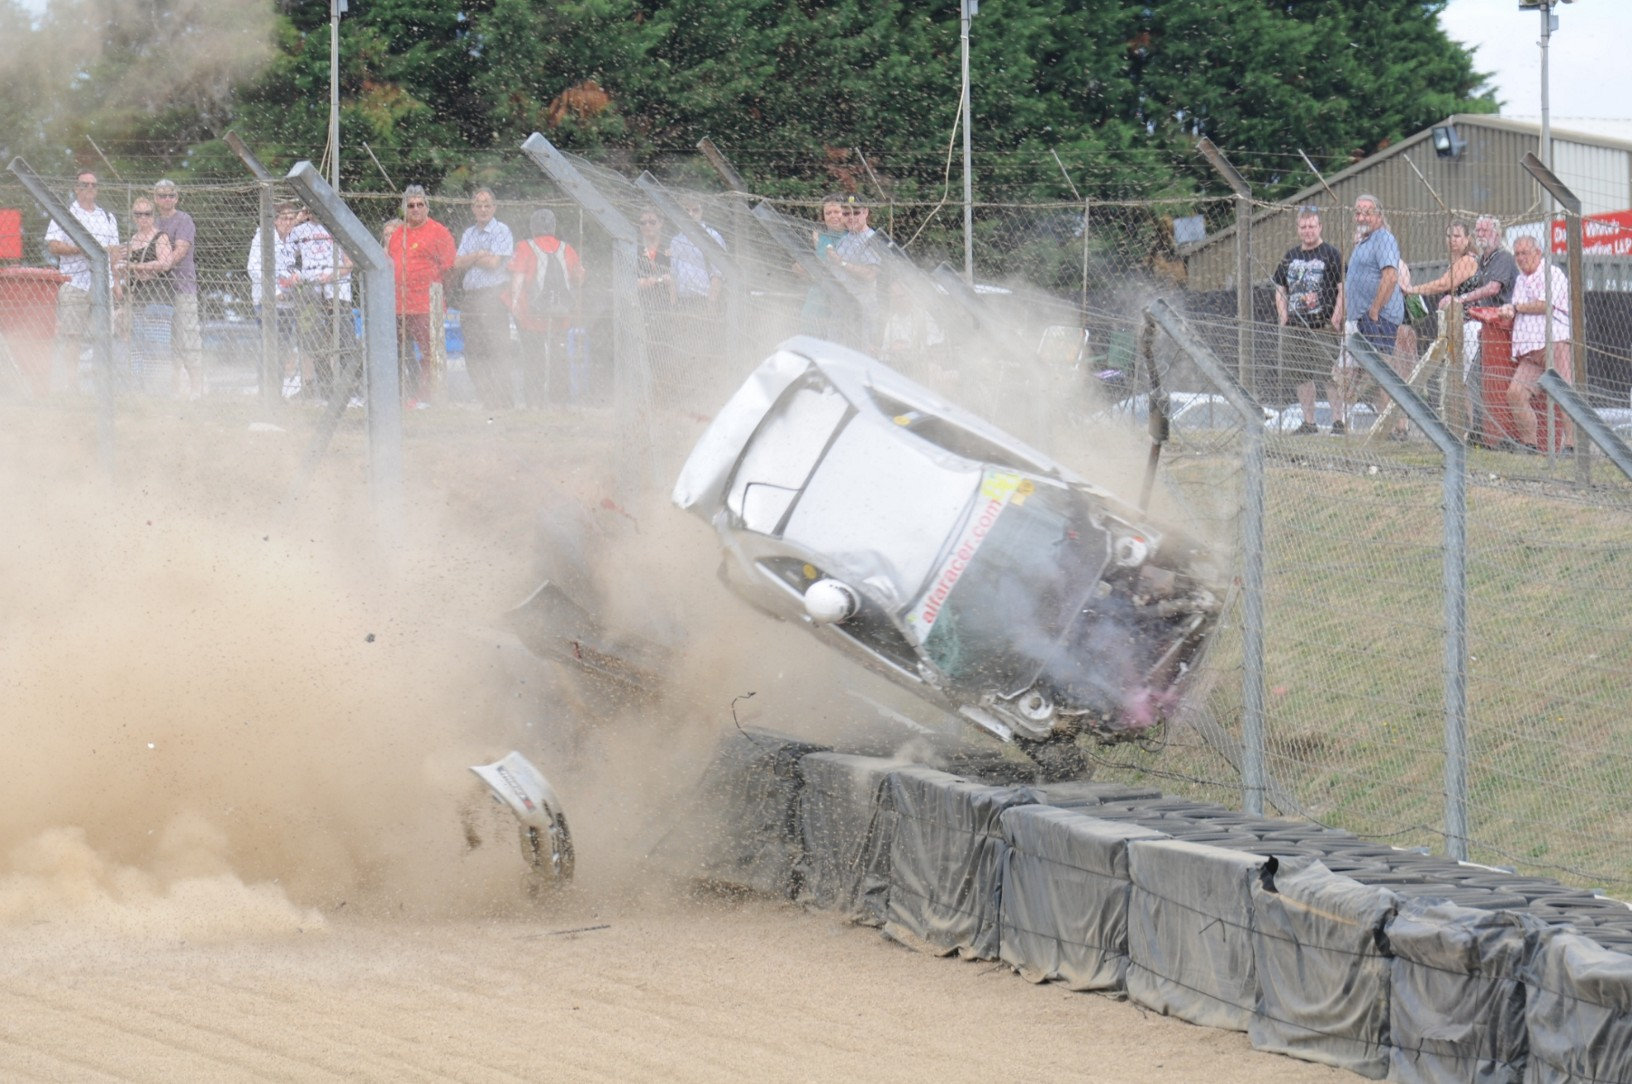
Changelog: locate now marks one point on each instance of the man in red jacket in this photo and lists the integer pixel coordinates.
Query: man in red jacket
(422, 251)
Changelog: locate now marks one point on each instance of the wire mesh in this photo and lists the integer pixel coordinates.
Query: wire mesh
(1047, 344)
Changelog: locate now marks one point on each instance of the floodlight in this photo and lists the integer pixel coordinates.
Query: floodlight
(1448, 142)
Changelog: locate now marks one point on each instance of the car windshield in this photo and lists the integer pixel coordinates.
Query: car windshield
(1032, 573)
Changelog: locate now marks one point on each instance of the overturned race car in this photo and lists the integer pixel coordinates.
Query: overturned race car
(946, 555)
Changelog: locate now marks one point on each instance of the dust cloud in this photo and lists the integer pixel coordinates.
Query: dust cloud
(230, 711)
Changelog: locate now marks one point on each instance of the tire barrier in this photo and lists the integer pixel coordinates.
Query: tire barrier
(1392, 964)
(1064, 897)
(1457, 1010)
(945, 861)
(1323, 976)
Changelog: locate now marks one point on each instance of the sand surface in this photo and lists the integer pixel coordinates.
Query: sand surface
(236, 814)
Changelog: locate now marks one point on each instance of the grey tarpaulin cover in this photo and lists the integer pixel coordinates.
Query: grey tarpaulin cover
(1065, 896)
(740, 829)
(1457, 1014)
(1579, 1012)
(1323, 977)
(846, 824)
(1190, 931)
(944, 861)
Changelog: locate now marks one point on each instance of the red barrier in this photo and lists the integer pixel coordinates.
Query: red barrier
(28, 320)
(1496, 361)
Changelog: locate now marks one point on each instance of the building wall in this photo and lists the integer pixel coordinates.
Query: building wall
(1487, 178)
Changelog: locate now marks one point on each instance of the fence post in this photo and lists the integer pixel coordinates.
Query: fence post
(1252, 548)
(383, 386)
(1243, 255)
(1454, 487)
(101, 319)
(271, 375)
(1578, 317)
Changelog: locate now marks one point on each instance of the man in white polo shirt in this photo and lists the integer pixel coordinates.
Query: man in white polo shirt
(74, 296)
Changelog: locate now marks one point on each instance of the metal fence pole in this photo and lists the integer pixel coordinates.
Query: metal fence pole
(271, 374)
(1578, 328)
(101, 329)
(1252, 547)
(382, 388)
(1243, 255)
(1455, 587)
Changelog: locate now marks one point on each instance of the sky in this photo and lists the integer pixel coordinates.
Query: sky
(1588, 74)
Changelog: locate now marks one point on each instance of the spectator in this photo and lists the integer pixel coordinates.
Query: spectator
(546, 281)
(285, 286)
(652, 264)
(422, 252)
(142, 287)
(1496, 274)
(74, 296)
(858, 262)
(694, 283)
(485, 249)
(1459, 279)
(1530, 312)
(181, 274)
(1372, 296)
(1308, 286)
(820, 304)
(323, 305)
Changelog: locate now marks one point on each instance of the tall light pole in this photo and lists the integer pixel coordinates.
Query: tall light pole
(968, 10)
(336, 8)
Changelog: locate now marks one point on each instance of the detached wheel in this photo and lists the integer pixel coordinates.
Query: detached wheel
(1059, 760)
(548, 855)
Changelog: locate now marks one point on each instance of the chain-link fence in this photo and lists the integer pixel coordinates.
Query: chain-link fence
(685, 288)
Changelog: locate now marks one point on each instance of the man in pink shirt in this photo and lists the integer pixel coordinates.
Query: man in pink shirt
(422, 251)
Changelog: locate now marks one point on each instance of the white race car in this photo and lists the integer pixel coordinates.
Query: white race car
(946, 555)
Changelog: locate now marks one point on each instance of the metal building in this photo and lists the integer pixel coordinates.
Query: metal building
(1469, 163)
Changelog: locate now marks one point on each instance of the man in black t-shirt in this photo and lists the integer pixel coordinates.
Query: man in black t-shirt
(1308, 285)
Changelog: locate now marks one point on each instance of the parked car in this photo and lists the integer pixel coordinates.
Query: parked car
(1362, 416)
(1185, 410)
(948, 556)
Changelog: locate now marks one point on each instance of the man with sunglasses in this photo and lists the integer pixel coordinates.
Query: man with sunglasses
(422, 252)
(857, 260)
(74, 296)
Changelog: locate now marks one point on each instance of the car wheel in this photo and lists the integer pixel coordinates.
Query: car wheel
(548, 855)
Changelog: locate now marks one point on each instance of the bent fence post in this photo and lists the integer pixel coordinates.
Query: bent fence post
(382, 388)
(101, 305)
(1252, 547)
(1587, 420)
(631, 370)
(1455, 586)
(271, 368)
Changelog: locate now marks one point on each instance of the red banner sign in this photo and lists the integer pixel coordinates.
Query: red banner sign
(1601, 235)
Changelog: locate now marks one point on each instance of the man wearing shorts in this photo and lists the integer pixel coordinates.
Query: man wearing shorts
(1372, 297)
(1529, 310)
(1308, 286)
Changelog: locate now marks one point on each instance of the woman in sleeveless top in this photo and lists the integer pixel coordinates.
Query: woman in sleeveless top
(143, 285)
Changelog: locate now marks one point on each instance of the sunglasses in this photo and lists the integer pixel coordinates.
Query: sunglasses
(416, 203)
(142, 214)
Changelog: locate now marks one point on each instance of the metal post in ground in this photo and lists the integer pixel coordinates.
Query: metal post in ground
(101, 301)
(1243, 256)
(1253, 776)
(1455, 586)
(382, 385)
(1578, 316)
(271, 368)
